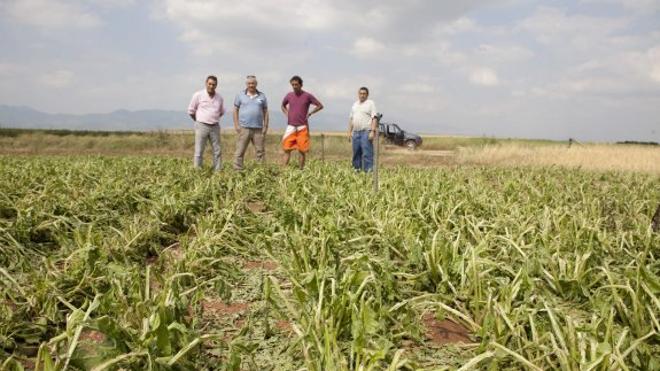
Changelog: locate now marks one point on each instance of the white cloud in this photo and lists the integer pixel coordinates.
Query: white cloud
(113, 3)
(484, 76)
(291, 23)
(398, 106)
(654, 61)
(642, 6)
(461, 25)
(445, 54)
(615, 76)
(9, 69)
(367, 47)
(633, 69)
(589, 57)
(557, 27)
(418, 87)
(279, 14)
(50, 14)
(247, 21)
(57, 79)
(347, 88)
(339, 89)
(503, 53)
(655, 73)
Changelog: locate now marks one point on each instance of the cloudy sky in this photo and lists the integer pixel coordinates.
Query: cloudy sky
(587, 69)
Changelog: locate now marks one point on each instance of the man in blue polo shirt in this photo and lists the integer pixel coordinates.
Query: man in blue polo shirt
(250, 121)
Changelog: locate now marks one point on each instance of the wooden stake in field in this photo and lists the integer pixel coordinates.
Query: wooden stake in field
(376, 151)
(322, 147)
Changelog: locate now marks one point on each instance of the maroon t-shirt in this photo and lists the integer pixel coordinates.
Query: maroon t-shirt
(299, 107)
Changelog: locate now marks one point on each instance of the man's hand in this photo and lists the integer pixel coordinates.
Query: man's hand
(371, 134)
(236, 120)
(316, 109)
(266, 121)
(350, 129)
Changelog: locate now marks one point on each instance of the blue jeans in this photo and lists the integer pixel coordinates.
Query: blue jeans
(363, 151)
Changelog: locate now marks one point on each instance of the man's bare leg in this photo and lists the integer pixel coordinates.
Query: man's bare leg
(302, 160)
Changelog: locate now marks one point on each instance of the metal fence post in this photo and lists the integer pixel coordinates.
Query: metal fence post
(376, 152)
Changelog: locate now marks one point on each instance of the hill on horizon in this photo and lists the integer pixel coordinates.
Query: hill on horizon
(23, 117)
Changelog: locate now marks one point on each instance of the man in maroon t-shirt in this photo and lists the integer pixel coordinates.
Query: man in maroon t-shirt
(295, 106)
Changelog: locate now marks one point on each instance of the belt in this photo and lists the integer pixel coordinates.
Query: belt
(207, 123)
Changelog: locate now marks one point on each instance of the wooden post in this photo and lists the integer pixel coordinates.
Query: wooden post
(322, 147)
(376, 152)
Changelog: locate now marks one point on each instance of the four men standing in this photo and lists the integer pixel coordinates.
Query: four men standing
(251, 123)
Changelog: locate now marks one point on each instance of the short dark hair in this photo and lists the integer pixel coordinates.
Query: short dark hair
(296, 78)
(365, 89)
(211, 77)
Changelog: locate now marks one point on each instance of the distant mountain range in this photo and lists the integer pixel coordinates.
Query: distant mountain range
(120, 120)
(23, 117)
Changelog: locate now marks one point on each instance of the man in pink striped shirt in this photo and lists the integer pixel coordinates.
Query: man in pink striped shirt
(206, 107)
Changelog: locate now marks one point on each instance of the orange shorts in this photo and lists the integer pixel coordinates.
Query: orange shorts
(296, 137)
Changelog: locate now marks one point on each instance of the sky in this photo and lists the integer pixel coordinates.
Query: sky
(583, 69)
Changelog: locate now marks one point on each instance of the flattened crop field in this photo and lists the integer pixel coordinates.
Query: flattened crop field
(142, 263)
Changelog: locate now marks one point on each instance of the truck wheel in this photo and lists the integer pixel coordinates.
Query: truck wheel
(411, 145)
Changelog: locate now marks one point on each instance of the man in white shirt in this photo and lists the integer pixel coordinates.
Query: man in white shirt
(362, 126)
(206, 107)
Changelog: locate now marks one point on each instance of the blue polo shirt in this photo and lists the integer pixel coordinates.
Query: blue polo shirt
(251, 109)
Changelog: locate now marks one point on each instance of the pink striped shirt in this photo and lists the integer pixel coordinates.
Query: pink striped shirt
(205, 108)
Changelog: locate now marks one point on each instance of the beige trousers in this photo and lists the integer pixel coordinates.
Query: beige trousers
(245, 137)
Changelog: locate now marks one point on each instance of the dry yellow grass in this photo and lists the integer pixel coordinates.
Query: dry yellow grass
(616, 157)
(436, 151)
